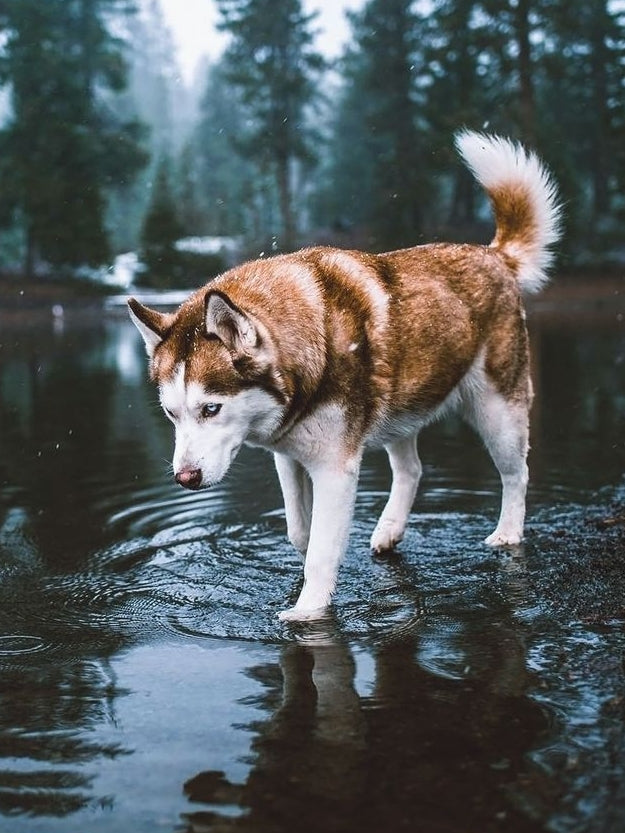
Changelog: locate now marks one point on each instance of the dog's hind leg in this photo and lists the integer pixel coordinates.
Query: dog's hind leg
(297, 493)
(406, 468)
(504, 427)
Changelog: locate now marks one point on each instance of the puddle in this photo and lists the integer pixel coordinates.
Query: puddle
(147, 683)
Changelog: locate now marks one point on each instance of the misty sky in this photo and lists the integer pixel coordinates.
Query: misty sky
(193, 27)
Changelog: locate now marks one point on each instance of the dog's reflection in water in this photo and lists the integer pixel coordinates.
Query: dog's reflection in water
(310, 751)
(419, 749)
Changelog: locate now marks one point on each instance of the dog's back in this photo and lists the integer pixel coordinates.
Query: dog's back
(315, 354)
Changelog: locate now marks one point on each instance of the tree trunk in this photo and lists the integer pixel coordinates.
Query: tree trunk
(600, 122)
(463, 198)
(287, 243)
(29, 253)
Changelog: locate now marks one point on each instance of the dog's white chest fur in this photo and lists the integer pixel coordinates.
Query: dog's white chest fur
(317, 354)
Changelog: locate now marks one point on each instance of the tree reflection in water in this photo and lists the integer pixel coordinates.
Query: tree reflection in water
(463, 691)
(48, 710)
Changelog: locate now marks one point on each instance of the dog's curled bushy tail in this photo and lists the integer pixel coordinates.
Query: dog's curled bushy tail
(524, 200)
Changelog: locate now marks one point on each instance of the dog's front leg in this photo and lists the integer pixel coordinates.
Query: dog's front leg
(297, 493)
(334, 495)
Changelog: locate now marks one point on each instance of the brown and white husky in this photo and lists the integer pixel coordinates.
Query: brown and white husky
(317, 354)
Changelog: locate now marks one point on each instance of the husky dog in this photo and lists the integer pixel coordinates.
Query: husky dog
(317, 354)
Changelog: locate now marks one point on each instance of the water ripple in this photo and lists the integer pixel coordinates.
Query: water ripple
(18, 643)
(175, 567)
(215, 564)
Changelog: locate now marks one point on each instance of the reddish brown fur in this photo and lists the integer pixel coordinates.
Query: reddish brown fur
(464, 298)
(350, 348)
(328, 337)
(514, 215)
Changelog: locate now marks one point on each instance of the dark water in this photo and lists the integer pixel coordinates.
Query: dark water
(146, 683)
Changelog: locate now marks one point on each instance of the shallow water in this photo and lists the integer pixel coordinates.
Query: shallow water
(147, 684)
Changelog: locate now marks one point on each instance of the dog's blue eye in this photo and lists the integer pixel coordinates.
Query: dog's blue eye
(210, 410)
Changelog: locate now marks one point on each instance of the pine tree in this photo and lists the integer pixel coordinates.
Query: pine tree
(227, 178)
(271, 62)
(588, 57)
(192, 216)
(345, 186)
(63, 146)
(154, 93)
(379, 175)
(455, 54)
(162, 227)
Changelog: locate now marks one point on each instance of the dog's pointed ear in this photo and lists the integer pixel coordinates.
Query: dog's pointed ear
(151, 324)
(230, 324)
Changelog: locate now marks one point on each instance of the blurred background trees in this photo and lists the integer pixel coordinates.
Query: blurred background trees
(275, 72)
(65, 142)
(276, 146)
(378, 177)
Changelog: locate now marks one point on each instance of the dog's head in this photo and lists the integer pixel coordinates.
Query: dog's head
(218, 382)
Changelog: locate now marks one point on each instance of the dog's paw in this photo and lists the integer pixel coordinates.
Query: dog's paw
(302, 614)
(501, 538)
(386, 535)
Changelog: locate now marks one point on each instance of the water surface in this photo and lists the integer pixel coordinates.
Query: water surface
(147, 684)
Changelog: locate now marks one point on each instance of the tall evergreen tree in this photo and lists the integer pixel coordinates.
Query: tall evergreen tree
(271, 61)
(187, 191)
(378, 142)
(458, 93)
(155, 94)
(63, 146)
(153, 76)
(345, 187)
(515, 51)
(227, 178)
(588, 60)
(548, 72)
(162, 227)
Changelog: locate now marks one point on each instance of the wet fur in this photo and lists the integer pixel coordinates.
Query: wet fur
(331, 350)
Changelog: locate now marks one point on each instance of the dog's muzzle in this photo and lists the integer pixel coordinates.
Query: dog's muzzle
(189, 478)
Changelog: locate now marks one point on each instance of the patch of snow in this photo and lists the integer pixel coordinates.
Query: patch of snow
(212, 245)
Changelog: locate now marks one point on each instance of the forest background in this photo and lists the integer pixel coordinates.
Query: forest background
(103, 148)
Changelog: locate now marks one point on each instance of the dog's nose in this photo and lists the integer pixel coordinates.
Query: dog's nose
(189, 478)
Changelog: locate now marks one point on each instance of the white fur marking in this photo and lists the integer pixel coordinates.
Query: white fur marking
(362, 278)
(172, 393)
(151, 339)
(211, 444)
(406, 468)
(297, 492)
(334, 491)
(504, 428)
(497, 162)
